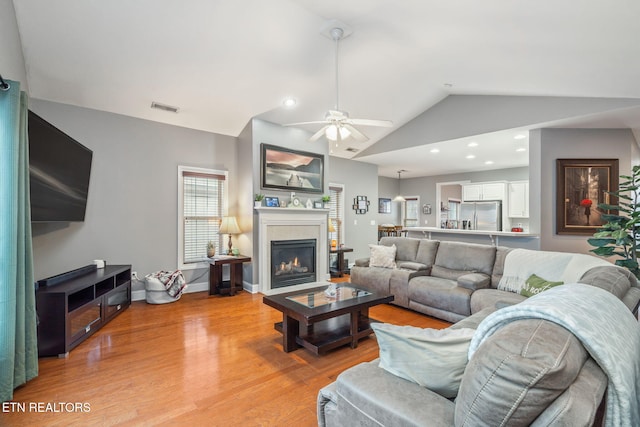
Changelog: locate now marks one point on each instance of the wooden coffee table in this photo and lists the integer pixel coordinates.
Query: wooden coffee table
(319, 323)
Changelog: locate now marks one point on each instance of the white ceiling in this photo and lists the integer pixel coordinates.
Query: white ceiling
(224, 62)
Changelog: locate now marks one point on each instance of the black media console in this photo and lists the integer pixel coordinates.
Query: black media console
(76, 305)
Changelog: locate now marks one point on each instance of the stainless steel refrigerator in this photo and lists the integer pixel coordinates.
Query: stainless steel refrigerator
(486, 216)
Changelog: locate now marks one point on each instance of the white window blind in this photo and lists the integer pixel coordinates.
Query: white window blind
(411, 218)
(202, 210)
(336, 212)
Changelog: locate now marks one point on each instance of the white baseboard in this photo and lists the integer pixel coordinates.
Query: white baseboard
(140, 295)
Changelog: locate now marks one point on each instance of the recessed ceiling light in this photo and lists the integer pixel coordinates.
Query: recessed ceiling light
(520, 136)
(289, 102)
(521, 149)
(471, 156)
(435, 150)
(472, 144)
(488, 162)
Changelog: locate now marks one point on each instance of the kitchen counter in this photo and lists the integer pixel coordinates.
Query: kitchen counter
(497, 238)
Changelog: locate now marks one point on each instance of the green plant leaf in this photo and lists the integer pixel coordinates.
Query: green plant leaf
(627, 263)
(605, 251)
(600, 242)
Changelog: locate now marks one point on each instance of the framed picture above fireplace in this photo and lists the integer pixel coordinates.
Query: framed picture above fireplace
(292, 170)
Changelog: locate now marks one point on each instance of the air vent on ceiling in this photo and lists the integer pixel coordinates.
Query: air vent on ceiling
(164, 107)
(352, 150)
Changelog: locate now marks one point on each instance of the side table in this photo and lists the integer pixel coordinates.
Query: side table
(216, 284)
(341, 267)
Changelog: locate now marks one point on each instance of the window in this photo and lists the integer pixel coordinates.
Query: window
(336, 211)
(202, 199)
(410, 210)
(454, 209)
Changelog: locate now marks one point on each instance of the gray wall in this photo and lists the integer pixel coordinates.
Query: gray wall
(552, 144)
(11, 60)
(389, 188)
(359, 179)
(131, 213)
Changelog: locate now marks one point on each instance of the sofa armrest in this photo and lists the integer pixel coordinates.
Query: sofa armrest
(409, 265)
(474, 281)
(362, 262)
(327, 404)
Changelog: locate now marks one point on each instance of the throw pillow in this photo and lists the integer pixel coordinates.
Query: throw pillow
(435, 359)
(382, 256)
(535, 284)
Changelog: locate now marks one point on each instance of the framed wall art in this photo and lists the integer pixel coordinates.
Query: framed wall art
(384, 206)
(360, 205)
(291, 170)
(582, 184)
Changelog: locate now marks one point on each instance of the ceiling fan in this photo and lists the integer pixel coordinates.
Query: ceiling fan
(337, 124)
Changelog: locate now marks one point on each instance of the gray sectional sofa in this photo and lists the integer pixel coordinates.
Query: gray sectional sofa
(453, 280)
(533, 371)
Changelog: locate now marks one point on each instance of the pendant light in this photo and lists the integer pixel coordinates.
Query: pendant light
(399, 197)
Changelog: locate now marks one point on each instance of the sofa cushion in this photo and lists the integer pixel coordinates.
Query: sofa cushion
(382, 256)
(427, 252)
(409, 265)
(498, 265)
(517, 373)
(372, 396)
(407, 247)
(440, 293)
(483, 298)
(536, 284)
(610, 278)
(454, 257)
(375, 279)
(432, 358)
(474, 281)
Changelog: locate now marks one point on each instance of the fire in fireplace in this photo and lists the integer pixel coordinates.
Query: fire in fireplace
(292, 262)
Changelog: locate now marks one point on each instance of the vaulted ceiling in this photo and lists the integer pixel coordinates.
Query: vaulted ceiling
(224, 62)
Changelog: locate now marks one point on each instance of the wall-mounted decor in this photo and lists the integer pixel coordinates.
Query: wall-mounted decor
(426, 209)
(288, 169)
(581, 185)
(384, 206)
(360, 204)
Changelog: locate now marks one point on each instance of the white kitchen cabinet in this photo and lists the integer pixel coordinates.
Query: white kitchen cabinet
(483, 191)
(519, 199)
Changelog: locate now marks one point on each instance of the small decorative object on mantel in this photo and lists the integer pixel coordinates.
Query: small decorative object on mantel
(360, 204)
(295, 203)
(317, 205)
(257, 200)
(309, 204)
(325, 200)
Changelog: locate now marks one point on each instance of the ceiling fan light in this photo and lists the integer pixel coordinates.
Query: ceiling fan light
(332, 132)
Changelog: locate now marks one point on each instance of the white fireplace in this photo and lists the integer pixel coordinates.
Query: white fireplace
(291, 224)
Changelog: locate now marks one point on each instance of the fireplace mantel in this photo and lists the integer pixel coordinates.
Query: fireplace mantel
(291, 223)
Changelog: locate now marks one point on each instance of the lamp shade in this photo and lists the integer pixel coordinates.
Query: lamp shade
(332, 229)
(229, 225)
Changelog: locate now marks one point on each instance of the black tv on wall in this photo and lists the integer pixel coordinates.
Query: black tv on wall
(59, 171)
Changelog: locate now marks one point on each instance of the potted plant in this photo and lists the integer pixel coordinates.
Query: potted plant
(619, 235)
(325, 200)
(211, 249)
(257, 200)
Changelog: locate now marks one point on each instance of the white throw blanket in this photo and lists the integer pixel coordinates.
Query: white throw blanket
(604, 326)
(520, 264)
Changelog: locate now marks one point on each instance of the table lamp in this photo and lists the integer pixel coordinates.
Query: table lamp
(229, 226)
(332, 229)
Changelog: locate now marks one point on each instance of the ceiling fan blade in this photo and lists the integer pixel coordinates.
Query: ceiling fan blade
(370, 122)
(316, 136)
(355, 133)
(316, 122)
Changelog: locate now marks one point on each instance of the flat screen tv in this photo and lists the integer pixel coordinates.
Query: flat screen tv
(59, 170)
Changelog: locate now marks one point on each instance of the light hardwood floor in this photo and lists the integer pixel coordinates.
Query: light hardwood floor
(202, 361)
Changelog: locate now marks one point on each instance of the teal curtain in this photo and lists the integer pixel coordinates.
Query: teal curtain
(18, 329)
